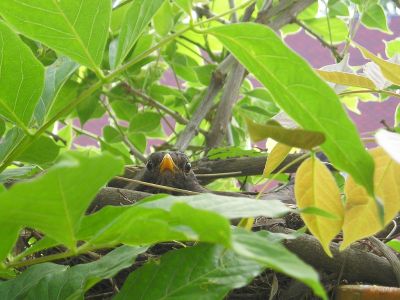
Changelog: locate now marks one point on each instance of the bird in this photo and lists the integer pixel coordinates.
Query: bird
(171, 169)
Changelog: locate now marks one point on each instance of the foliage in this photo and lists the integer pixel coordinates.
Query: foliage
(69, 60)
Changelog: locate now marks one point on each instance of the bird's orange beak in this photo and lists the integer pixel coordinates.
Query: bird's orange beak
(167, 163)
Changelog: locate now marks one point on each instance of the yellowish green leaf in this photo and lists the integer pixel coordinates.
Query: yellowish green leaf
(299, 138)
(390, 70)
(347, 79)
(315, 187)
(276, 157)
(361, 217)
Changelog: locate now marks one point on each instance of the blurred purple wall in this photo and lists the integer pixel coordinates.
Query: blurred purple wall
(318, 56)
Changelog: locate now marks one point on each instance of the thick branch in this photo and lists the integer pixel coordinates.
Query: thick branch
(354, 265)
(228, 99)
(280, 15)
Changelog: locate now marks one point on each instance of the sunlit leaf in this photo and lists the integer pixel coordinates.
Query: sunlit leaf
(347, 79)
(392, 47)
(201, 272)
(298, 138)
(301, 94)
(316, 187)
(55, 202)
(390, 70)
(259, 247)
(55, 77)
(21, 78)
(374, 17)
(276, 157)
(135, 22)
(62, 282)
(163, 19)
(74, 28)
(361, 217)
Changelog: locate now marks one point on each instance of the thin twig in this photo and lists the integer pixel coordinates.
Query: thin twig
(135, 152)
(324, 43)
(161, 187)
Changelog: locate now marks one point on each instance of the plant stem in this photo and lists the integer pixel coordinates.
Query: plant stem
(370, 91)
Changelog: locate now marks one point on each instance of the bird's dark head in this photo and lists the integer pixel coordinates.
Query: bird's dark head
(171, 169)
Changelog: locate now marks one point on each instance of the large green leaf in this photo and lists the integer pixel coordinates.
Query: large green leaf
(42, 150)
(74, 28)
(301, 93)
(56, 75)
(9, 142)
(374, 17)
(137, 225)
(52, 281)
(21, 78)
(260, 248)
(144, 122)
(200, 272)
(229, 207)
(55, 202)
(135, 22)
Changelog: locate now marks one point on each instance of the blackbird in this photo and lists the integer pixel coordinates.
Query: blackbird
(171, 169)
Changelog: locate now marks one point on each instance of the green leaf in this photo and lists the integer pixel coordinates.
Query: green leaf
(78, 29)
(136, 20)
(55, 77)
(297, 137)
(336, 30)
(2, 127)
(42, 150)
(139, 141)
(257, 247)
(21, 78)
(337, 8)
(186, 5)
(44, 243)
(123, 109)
(164, 19)
(394, 244)
(230, 152)
(55, 202)
(397, 116)
(111, 135)
(301, 93)
(374, 17)
(136, 225)
(9, 142)
(202, 272)
(392, 47)
(229, 207)
(17, 172)
(67, 93)
(90, 109)
(144, 122)
(52, 281)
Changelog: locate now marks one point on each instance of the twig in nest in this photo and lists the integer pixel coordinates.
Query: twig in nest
(161, 187)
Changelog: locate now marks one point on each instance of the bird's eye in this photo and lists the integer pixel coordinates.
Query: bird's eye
(149, 165)
(188, 167)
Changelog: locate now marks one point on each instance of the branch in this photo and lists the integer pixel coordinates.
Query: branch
(283, 14)
(132, 149)
(224, 112)
(324, 43)
(355, 265)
